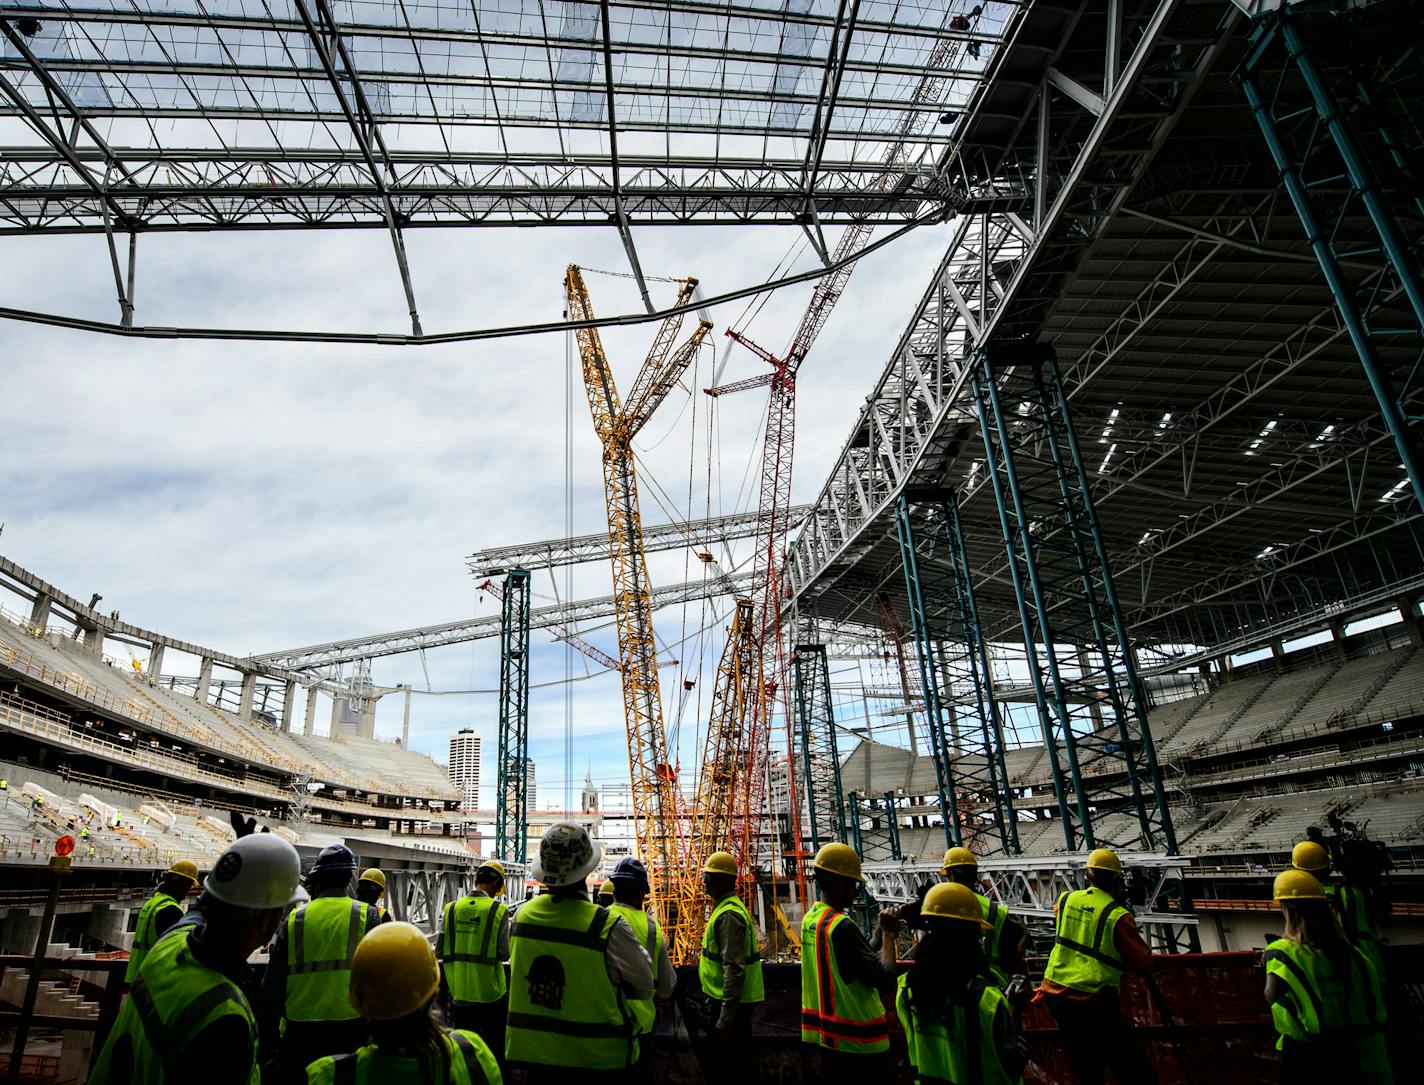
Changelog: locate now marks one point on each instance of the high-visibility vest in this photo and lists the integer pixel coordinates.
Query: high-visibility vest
(469, 949)
(645, 930)
(709, 968)
(953, 1048)
(145, 934)
(843, 1016)
(1084, 956)
(563, 1008)
(322, 936)
(1318, 1003)
(996, 915)
(469, 1060)
(173, 999)
(1350, 905)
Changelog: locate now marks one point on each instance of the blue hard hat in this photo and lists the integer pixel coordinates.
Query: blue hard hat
(334, 857)
(630, 870)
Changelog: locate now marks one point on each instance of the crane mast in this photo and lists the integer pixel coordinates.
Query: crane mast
(656, 803)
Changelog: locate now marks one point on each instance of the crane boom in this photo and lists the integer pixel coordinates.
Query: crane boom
(656, 810)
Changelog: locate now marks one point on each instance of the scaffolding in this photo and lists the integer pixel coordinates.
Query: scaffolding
(820, 759)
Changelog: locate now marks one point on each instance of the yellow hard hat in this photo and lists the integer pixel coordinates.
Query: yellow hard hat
(1309, 856)
(959, 857)
(950, 900)
(493, 865)
(393, 974)
(1105, 859)
(838, 859)
(605, 890)
(1297, 885)
(720, 862)
(374, 875)
(185, 868)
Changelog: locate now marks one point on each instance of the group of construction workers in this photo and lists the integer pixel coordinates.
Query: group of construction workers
(566, 984)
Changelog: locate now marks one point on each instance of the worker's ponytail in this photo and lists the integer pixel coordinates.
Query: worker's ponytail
(1313, 923)
(419, 1035)
(947, 960)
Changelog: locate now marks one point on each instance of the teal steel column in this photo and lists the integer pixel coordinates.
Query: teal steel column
(820, 754)
(511, 824)
(929, 676)
(1052, 705)
(982, 673)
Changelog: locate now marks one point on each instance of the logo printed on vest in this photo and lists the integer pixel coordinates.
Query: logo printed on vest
(546, 982)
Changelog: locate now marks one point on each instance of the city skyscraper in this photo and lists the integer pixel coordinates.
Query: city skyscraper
(465, 766)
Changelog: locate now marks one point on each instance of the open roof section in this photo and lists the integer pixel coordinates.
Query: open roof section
(186, 114)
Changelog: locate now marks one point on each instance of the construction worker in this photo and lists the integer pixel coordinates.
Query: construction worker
(1325, 997)
(160, 912)
(959, 1027)
(1096, 941)
(731, 975)
(394, 979)
(605, 894)
(1352, 905)
(1004, 940)
(842, 978)
(574, 967)
(370, 888)
(310, 967)
(630, 890)
(186, 1018)
(473, 946)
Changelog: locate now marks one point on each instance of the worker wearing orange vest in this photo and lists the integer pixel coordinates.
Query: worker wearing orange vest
(842, 978)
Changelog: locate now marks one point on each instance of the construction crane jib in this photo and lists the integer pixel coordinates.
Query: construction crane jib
(656, 805)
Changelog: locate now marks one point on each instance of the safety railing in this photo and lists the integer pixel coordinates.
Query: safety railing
(27, 663)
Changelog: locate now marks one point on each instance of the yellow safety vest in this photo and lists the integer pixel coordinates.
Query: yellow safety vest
(322, 937)
(144, 933)
(468, 1058)
(563, 1008)
(1350, 905)
(953, 1049)
(1084, 956)
(843, 1016)
(173, 999)
(709, 968)
(645, 929)
(1319, 1004)
(469, 947)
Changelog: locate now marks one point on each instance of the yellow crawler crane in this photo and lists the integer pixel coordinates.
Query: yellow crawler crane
(656, 807)
(719, 820)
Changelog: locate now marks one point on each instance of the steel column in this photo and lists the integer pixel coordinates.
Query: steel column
(820, 758)
(1076, 645)
(511, 828)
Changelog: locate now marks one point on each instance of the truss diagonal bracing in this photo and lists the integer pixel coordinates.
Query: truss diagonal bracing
(1076, 648)
(511, 819)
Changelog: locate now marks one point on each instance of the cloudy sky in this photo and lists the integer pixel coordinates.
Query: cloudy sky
(252, 497)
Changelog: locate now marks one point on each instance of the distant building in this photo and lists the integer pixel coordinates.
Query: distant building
(465, 766)
(589, 803)
(529, 790)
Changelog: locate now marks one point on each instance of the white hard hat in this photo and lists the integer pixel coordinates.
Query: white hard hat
(566, 855)
(260, 872)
